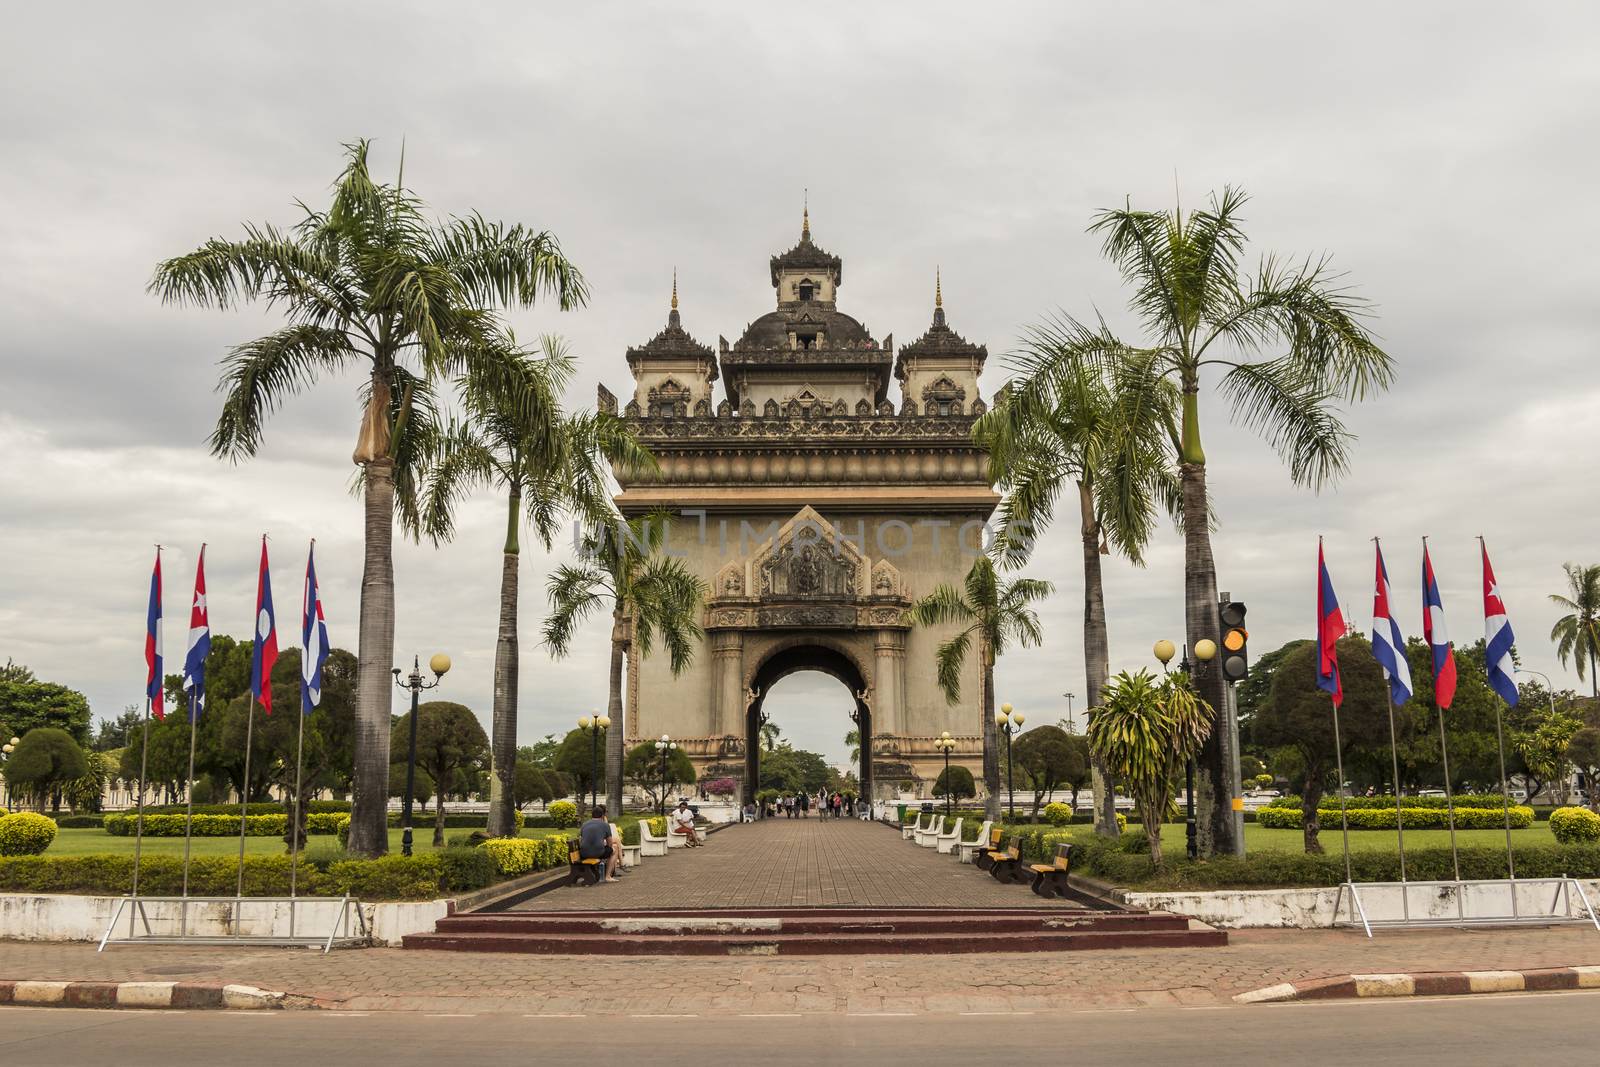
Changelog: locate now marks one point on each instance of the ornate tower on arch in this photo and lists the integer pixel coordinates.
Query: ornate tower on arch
(816, 507)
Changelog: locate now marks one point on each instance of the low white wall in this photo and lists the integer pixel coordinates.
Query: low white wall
(68, 917)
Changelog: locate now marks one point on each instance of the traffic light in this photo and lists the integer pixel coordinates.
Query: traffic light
(1235, 642)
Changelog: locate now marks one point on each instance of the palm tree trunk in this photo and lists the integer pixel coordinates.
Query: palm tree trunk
(1213, 779)
(617, 733)
(991, 750)
(503, 728)
(369, 821)
(1096, 655)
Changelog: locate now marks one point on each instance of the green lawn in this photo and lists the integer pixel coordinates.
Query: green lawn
(1261, 839)
(91, 841)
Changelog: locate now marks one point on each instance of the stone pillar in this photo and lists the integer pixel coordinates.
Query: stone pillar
(889, 683)
(727, 690)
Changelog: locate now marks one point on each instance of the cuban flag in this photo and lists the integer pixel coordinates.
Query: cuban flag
(1388, 643)
(1330, 627)
(265, 651)
(313, 638)
(1437, 636)
(194, 661)
(1498, 638)
(152, 643)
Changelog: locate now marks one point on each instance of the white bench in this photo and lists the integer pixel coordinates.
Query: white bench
(630, 855)
(966, 851)
(650, 845)
(908, 832)
(928, 836)
(946, 843)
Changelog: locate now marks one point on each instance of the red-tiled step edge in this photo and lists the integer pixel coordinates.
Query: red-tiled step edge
(1426, 984)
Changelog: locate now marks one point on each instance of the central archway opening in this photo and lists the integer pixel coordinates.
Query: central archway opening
(821, 659)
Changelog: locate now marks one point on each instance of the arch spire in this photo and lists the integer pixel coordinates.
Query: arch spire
(805, 214)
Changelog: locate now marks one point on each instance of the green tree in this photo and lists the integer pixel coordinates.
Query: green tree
(450, 740)
(791, 770)
(1103, 432)
(519, 443)
(46, 760)
(1144, 730)
(769, 734)
(1543, 750)
(532, 784)
(1577, 633)
(1050, 758)
(371, 282)
(1286, 345)
(643, 769)
(27, 704)
(853, 739)
(421, 784)
(992, 614)
(1299, 715)
(116, 733)
(956, 783)
(1584, 752)
(85, 792)
(575, 760)
(650, 595)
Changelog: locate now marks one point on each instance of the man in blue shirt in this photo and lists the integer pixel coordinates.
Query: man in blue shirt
(594, 843)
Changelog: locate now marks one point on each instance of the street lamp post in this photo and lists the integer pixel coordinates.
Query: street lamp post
(1205, 650)
(594, 724)
(440, 666)
(1010, 722)
(664, 746)
(6, 750)
(945, 743)
(1070, 727)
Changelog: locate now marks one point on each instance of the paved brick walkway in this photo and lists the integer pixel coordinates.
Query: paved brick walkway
(377, 979)
(784, 862)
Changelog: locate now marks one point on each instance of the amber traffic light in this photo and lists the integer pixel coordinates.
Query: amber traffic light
(1235, 642)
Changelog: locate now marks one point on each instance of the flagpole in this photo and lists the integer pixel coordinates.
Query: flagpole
(1399, 819)
(294, 816)
(1344, 818)
(138, 825)
(188, 822)
(1449, 795)
(1500, 745)
(244, 799)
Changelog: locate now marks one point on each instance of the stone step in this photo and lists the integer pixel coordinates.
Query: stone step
(834, 943)
(857, 922)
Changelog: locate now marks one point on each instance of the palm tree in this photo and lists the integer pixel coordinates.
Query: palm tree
(853, 739)
(1104, 431)
(1145, 730)
(547, 465)
(1286, 345)
(370, 282)
(649, 594)
(770, 732)
(992, 613)
(1577, 635)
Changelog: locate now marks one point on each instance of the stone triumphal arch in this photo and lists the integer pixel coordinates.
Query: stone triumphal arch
(816, 507)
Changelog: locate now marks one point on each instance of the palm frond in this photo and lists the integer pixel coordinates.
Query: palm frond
(1294, 414)
(459, 462)
(575, 593)
(943, 606)
(951, 658)
(508, 266)
(259, 374)
(665, 601)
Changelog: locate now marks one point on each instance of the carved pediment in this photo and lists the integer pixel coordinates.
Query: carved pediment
(808, 559)
(886, 580)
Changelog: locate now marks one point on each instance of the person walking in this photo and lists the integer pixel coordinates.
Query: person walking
(802, 802)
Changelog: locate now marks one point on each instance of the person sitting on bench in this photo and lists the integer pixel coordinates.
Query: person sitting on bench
(683, 823)
(594, 842)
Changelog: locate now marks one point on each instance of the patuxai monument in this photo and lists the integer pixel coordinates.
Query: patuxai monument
(822, 480)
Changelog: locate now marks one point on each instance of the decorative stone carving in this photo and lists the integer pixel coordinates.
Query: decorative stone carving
(810, 617)
(702, 408)
(979, 407)
(747, 408)
(730, 581)
(770, 409)
(840, 408)
(885, 408)
(885, 579)
(605, 400)
(724, 409)
(631, 410)
(807, 568)
(863, 406)
(908, 406)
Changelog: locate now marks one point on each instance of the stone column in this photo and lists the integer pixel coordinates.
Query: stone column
(889, 683)
(727, 690)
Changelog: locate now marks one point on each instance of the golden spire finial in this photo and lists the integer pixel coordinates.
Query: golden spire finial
(674, 288)
(805, 215)
(938, 291)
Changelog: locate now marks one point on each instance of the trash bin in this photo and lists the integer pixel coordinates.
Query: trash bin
(901, 808)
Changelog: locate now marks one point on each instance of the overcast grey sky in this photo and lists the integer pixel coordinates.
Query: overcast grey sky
(1444, 153)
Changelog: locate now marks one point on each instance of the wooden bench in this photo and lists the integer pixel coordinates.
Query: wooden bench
(987, 847)
(928, 836)
(910, 830)
(1050, 879)
(946, 843)
(1006, 866)
(592, 869)
(967, 851)
(649, 844)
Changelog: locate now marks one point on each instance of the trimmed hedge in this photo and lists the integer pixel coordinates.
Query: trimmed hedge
(257, 807)
(158, 875)
(391, 877)
(1384, 818)
(519, 855)
(1571, 826)
(1271, 868)
(25, 834)
(222, 825)
(1463, 800)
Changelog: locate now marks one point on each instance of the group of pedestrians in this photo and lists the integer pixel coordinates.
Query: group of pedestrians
(798, 805)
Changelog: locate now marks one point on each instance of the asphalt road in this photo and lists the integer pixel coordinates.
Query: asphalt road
(1505, 1028)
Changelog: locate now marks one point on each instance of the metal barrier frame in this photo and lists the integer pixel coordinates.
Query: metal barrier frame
(1580, 911)
(340, 934)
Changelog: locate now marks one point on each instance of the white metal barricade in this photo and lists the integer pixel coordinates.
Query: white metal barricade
(132, 922)
(1490, 902)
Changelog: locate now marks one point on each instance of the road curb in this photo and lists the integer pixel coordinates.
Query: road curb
(1425, 984)
(186, 995)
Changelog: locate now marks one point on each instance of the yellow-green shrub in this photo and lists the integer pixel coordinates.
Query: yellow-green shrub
(1057, 814)
(563, 813)
(1570, 826)
(1415, 818)
(25, 834)
(519, 855)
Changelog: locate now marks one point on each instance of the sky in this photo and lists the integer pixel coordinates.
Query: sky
(1443, 154)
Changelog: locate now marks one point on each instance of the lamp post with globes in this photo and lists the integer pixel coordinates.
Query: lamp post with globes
(664, 745)
(440, 666)
(1010, 722)
(944, 742)
(594, 724)
(1205, 650)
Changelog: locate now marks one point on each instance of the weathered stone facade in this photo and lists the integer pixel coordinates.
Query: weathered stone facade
(816, 509)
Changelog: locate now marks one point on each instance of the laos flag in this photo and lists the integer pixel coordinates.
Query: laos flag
(152, 643)
(1438, 638)
(313, 638)
(1330, 627)
(1498, 637)
(265, 652)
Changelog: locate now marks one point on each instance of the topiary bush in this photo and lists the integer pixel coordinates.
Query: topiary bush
(563, 813)
(519, 855)
(390, 877)
(467, 868)
(1467, 818)
(1571, 826)
(1057, 814)
(25, 834)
